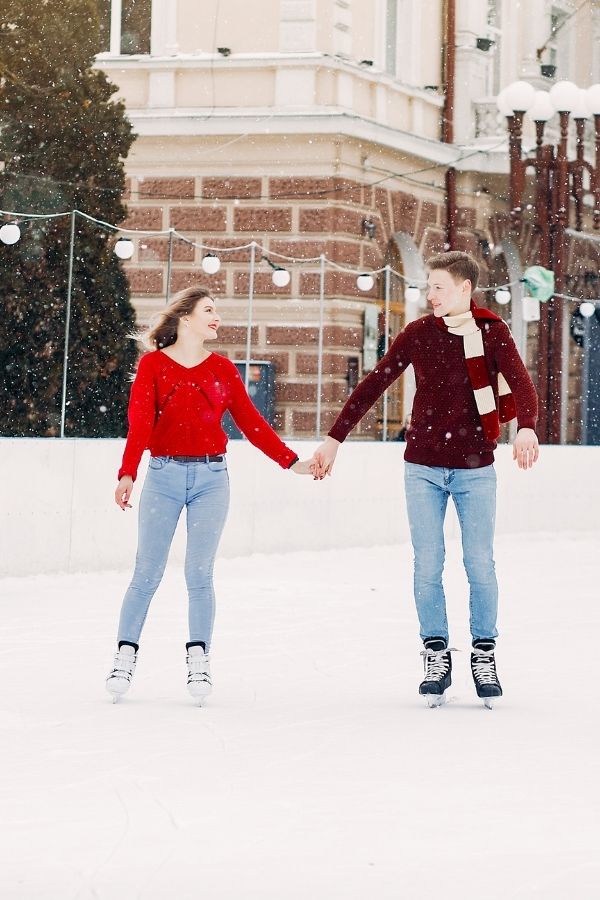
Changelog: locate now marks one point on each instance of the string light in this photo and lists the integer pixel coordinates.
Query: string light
(124, 248)
(281, 276)
(502, 296)
(211, 263)
(587, 309)
(10, 233)
(365, 281)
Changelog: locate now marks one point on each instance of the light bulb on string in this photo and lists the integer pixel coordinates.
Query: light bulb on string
(365, 282)
(211, 263)
(10, 233)
(124, 248)
(502, 296)
(412, 294)
(281, 277)
(587, 309)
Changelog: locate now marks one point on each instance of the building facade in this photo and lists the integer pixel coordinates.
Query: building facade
(314, 128)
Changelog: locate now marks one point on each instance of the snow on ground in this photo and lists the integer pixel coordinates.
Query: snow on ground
(315, 771)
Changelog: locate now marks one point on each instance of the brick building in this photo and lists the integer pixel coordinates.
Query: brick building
(313, 128)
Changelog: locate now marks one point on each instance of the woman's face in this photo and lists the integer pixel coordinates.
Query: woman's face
(204, 320)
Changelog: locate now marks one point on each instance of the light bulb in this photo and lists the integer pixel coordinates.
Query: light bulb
(587, 309)
(564, 96)
(502, 296)
(124, 248)
(10, 233)
(412, 294)
(211, 263)
(281, 277)
(365, 282)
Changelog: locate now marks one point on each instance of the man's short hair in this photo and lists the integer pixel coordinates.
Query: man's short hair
(460, 265)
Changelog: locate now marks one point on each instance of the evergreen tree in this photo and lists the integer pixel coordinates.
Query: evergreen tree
(63, 140)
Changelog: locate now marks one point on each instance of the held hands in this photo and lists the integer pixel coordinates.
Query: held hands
(324, 458)
(321, 462)
(123, 492)
(526, 449)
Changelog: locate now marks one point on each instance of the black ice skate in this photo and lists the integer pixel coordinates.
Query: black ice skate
(483, 668)
(438, 668)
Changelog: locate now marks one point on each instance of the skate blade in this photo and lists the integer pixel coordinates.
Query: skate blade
(435, 700)
(488, 702)
(116, 698)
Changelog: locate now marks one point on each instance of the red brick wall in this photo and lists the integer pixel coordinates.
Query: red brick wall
(301, 217)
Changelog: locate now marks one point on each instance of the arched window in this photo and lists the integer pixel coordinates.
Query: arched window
(124, 26)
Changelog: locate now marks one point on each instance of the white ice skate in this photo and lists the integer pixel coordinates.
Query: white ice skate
(198, 682)
(119, 679)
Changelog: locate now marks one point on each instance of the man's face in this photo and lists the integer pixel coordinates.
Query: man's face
(446, 296)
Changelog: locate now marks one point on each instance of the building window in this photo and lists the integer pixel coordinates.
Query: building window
(391, 36)
(558, 45)
(494, 33)
(124, 26)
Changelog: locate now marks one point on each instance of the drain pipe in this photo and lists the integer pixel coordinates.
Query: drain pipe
(448, 116)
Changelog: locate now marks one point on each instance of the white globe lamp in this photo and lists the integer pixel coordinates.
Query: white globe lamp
(587, 309)
(581, 109)
(10, 233)
(564, 96)
(365, 282)
(124, 248)
(281, 277)
(211, 264)
(502, 296)
(593, 99)
(412, 294)
(519, 96)
(541, 110)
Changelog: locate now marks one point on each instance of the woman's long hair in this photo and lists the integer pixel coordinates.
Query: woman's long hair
(162, 331)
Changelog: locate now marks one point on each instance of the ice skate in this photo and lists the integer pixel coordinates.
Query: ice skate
(119, 679)
(437, 662)
(198, 682)
(483, 668)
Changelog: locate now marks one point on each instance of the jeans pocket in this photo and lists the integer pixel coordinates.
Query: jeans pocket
(158, 462)
(217, 466)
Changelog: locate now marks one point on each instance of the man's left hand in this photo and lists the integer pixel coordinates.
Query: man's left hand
(526, 448)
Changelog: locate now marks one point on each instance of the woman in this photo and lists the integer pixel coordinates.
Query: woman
(180, 393)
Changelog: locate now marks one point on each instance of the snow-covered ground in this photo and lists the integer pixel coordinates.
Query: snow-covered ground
(315, 771)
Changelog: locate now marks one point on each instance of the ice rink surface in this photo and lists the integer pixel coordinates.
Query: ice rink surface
(315, 770)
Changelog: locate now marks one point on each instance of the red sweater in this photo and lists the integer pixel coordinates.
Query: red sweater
(445, 428)
(177, 411)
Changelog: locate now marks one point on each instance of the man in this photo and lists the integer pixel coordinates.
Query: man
(469, 377)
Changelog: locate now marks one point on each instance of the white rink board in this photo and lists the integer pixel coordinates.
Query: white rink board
(59, 514)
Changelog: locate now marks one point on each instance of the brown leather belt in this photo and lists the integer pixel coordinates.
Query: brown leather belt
(201, 459)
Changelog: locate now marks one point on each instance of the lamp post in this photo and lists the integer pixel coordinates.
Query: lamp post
(555, 178)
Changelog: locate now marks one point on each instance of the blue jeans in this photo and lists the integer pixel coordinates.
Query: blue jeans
(474, 494)
(203, 488)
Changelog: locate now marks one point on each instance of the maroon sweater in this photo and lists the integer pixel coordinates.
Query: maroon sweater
(445, 428)
(177, 411)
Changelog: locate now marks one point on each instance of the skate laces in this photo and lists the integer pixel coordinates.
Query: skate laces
(437, 663)
(483, 664)
(198, 667)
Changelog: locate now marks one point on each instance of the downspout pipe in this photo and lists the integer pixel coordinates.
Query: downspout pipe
(448, 116)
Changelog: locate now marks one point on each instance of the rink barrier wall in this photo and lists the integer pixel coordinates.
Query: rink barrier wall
(59, 514)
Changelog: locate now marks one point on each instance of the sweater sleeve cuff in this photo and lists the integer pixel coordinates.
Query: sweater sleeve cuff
(292, 462)
(526, 423)
(338, 433)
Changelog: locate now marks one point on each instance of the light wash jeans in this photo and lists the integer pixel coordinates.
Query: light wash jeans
(203, 488)
(474, 494)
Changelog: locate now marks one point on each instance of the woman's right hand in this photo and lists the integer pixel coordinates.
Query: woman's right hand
(123, 492)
